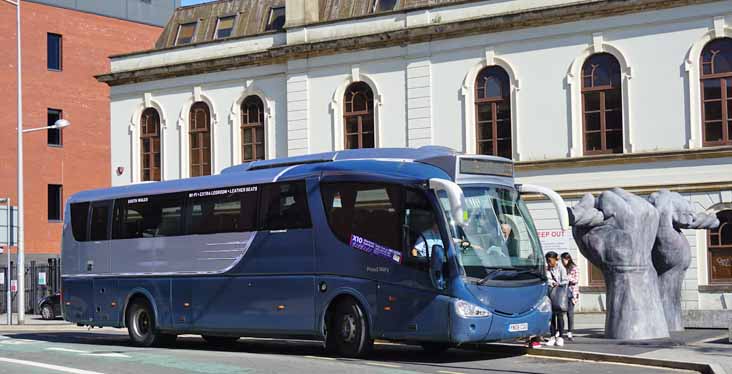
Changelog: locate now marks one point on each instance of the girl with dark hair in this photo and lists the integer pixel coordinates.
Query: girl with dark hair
(557, 276)
(573, 294)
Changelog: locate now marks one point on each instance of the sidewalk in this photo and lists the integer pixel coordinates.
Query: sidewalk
(702, 346)
(35, 323)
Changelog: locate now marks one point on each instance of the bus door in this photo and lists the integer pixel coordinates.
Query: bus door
(412, 307)
(281, 298)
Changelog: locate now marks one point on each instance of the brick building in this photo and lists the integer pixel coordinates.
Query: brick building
(63, 48)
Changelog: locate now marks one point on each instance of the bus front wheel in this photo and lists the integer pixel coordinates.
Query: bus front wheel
(141, 326)
(347, 331)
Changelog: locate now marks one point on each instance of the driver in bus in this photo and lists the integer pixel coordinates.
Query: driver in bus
(426, 241)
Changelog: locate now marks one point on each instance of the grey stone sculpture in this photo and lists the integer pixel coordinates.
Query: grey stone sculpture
(671, 253)
(616, 233)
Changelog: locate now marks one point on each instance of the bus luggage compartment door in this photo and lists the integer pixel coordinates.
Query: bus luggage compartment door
(77, 294)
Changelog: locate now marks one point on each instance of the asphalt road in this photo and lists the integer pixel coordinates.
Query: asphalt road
(108, 351)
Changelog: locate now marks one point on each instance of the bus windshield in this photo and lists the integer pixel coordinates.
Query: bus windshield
(498, 235)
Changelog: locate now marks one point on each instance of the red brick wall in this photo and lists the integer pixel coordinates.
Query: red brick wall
(84, 160)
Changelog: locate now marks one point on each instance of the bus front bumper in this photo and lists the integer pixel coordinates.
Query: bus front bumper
(498, 327)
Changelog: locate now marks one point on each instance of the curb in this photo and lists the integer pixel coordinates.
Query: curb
(39, 328)
(703, 368)
(620, 359)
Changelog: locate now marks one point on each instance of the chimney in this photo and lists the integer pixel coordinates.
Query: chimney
(301, 12)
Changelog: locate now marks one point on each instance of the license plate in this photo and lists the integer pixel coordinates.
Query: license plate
(516, 327)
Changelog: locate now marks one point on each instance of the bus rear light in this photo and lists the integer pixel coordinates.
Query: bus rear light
(114, 304)
(387, 308)
(186, 305)
(280, 307)
(68, 303)
(392, 299)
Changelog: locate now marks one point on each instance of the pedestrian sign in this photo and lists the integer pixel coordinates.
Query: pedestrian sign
(14, 285)
(41, 278)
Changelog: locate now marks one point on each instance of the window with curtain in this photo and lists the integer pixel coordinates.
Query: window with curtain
(602, 105)
(493, 112)
(716, 83)
(200, 140)
(358, 116)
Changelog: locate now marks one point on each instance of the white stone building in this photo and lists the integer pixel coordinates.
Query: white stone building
(229, 82)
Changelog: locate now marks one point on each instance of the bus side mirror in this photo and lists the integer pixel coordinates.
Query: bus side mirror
(437, 265)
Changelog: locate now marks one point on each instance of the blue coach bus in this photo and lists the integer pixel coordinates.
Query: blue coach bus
(425, 246)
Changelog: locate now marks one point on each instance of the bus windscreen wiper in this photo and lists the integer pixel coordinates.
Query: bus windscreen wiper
(491, 271)
(514, 271)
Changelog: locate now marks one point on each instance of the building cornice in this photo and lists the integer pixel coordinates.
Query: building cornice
(498, 23)
(624, 159)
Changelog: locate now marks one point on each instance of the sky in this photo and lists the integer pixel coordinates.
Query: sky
(191, 2)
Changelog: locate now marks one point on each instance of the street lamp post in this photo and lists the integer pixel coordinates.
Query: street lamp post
(21, 254)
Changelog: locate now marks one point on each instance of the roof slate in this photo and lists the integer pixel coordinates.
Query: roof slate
(252, 15)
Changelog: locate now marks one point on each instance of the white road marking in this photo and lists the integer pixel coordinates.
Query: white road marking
(449, 372)
(321, 358)
(17, 341)
(66, 350)
(382, 365)
(62, 369)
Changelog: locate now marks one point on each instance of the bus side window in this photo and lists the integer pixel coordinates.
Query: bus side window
(368, 210)
(235, 212)
(284, 206)
(99, 228)
(160, 215)
(80, 221)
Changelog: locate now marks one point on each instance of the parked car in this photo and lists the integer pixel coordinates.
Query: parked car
(50, 306)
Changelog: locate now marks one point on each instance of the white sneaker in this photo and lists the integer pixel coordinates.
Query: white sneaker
(569, 335)
(557, 334)
(560, 342)
(552, 341)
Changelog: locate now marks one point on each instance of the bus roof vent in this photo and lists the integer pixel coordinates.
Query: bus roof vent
(281, 162)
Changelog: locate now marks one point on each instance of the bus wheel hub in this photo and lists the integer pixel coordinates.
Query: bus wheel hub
(348, 328)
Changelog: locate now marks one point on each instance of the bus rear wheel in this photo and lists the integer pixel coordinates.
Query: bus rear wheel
(347, 331)
(220, 341)
(141, 326)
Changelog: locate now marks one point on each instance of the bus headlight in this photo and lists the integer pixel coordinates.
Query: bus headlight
(465, 309)
(545, 305)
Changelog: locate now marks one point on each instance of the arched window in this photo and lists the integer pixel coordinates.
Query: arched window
(493, 112)
(602, 105)
(358, 116)
(716, 83)
(200, 140)
(252, 129)
(150, 145)
(720, 249)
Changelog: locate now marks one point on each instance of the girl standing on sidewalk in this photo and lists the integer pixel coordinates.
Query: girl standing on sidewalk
(557, 276)
(573, 294)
